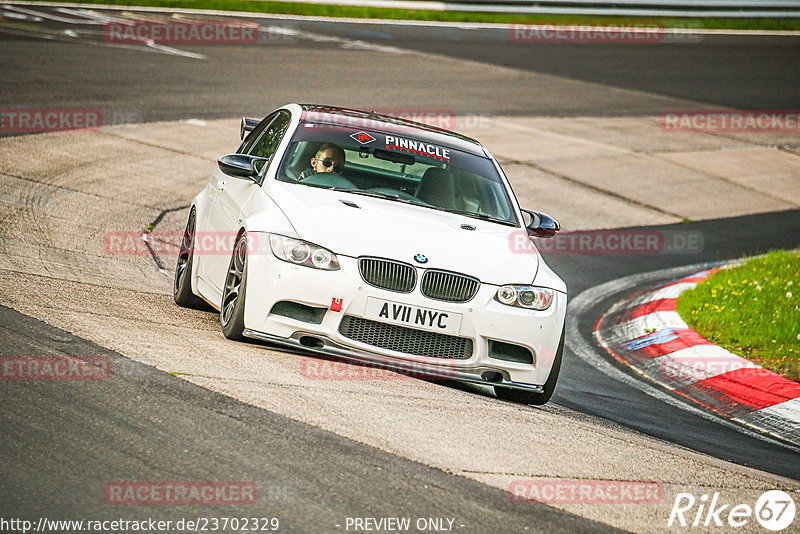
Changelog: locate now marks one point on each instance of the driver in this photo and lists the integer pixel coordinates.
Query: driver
(329, 158)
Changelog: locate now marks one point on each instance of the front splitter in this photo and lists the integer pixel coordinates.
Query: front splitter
(416, 369)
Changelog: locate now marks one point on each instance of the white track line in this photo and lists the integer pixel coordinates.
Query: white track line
(65, 38)
(85, 13)
(354, 44)
(90, 18)
(50, 16)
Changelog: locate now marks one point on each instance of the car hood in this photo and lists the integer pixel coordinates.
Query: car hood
(389, 229)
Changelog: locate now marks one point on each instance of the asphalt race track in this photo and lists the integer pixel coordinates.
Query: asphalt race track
(343, 478)
(314, 468)
(627, 79)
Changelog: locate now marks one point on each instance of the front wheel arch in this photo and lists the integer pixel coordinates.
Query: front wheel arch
(537, 399)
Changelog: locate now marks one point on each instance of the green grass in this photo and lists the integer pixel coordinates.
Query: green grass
(454, 16)
(752, 310)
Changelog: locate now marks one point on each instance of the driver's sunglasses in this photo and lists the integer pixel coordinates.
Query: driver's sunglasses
(328, 162)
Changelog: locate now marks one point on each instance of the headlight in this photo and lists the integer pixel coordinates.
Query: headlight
(534, 298)
(302, 253)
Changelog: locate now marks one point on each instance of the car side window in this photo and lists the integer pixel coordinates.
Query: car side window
(251, 138)
(271, 136)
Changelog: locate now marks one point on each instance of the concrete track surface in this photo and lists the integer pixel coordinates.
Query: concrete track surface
(323, 450)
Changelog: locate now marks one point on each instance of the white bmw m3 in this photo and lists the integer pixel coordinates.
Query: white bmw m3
(379, 240)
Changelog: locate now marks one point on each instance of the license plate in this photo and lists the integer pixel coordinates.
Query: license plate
(413, 316)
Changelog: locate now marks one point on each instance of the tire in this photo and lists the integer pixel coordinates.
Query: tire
(182, 286)
(528, 397)
(231, 310)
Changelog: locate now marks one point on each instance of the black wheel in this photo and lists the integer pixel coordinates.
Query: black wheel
(528, 397)
(182, 287)
(231, 311)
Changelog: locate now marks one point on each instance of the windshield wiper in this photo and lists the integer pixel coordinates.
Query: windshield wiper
(375, 194)
(386, 196)
(481, 216)
(328, 187)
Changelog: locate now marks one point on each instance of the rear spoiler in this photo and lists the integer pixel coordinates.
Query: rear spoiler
(248, 125)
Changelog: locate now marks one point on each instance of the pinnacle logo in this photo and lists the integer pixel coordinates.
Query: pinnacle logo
(363, 137)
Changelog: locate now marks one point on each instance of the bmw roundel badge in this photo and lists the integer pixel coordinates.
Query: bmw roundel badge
(420, 258)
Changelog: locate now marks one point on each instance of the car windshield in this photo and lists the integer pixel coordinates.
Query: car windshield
(399, 167)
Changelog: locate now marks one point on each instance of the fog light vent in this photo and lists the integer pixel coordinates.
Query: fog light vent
(299, 312)
(510, 353)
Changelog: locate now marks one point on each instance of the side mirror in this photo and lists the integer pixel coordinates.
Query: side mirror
(247, 126)
(541, 225)
(240, 165)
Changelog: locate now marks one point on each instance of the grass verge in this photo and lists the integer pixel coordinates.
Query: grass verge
(325, 10)
(752, 310)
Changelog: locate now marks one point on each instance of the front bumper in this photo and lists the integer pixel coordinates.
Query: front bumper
(480, 375)
(271, 280)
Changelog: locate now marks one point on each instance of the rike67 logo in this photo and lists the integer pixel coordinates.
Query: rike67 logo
(774, 510)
